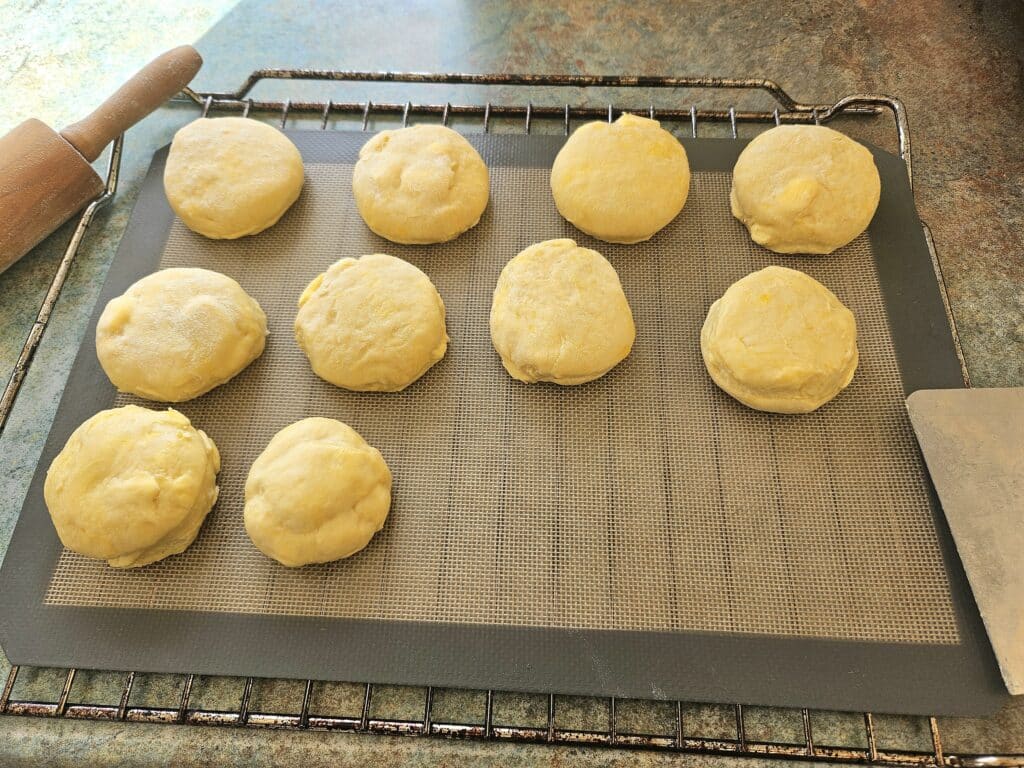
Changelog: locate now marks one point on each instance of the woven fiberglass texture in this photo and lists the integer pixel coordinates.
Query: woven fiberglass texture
(646, 500)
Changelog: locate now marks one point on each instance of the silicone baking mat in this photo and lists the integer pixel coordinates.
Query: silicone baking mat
(646, 507)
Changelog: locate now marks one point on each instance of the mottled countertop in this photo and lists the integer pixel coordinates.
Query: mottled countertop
(956, 66)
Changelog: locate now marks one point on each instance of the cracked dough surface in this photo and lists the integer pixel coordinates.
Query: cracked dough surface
(317, 493)
(372, 324)
(559, 314)
(178, 333)
(780, 341)
(804, 189)
(418, 185)
(622, 181)
(228, 177)
(132, 486)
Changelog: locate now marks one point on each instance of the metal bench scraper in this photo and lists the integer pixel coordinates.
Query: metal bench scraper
(973, 443)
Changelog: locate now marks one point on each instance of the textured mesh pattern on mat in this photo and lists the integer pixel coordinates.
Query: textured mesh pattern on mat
(647, 500)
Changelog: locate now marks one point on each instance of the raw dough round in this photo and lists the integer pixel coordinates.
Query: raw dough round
(418, 185)
(132, 486)
(231, 176)
(373, 324)
(804, 189)
(559, 314)
(780, 341)
(317, 493)
(622, 181)
(178, 333)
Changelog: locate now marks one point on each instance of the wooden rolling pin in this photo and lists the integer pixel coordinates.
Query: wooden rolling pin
(45, 176)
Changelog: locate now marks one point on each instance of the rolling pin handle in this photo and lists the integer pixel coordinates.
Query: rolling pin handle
(148, 89)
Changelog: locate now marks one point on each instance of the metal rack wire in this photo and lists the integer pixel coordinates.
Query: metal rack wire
(487, 727)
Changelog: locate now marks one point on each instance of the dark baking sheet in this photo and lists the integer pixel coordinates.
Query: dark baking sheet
(827, 673)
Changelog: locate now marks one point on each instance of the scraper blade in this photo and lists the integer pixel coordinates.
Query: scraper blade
(973, 443)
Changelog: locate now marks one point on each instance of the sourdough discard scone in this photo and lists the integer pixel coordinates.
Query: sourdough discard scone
(622, 181)
(418, 185)
(132, 486)
(778, 340)
(178, 333)
(804, 189)
(372, 324)
(317, 493)
(559, 314)
(229, 177)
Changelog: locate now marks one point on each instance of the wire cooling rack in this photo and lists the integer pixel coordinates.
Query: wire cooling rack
(680, 731)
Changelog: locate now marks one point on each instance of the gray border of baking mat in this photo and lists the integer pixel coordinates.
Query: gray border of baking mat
(960, 679)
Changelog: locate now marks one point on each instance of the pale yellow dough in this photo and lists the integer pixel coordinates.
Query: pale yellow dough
(178, 333)
(132, 486)
(622, 181)
(317, 493)
(231, 176)
(418, 185)
(559, 314)
(373, 324)
(780, 341)
(804, 189)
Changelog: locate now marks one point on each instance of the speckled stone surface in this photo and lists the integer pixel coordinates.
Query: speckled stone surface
(957, 67)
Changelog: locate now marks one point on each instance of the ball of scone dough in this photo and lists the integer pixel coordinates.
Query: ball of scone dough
(418, 185)
(178, 333)
(622, 181)
(559, 314)
(372, 324)
(231, 176)
(132, 486)
(780, 341)
(317, 493)
(804, 189)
